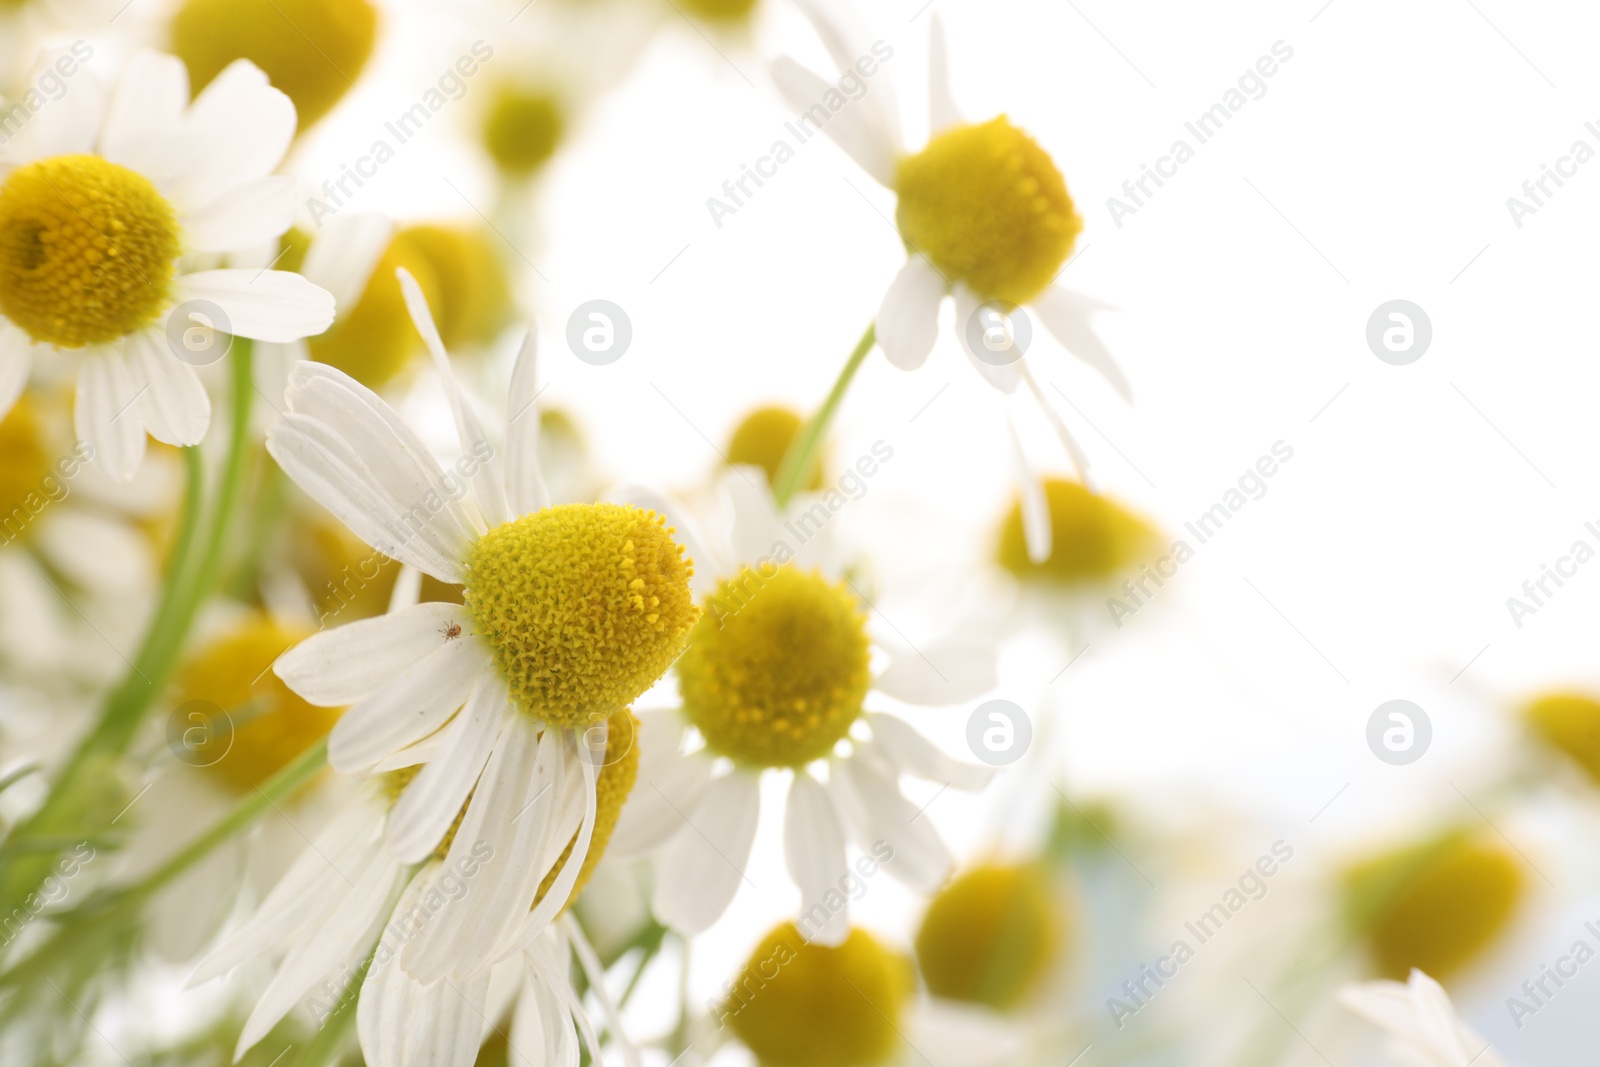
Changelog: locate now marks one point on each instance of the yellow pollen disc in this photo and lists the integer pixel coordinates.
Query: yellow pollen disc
(522, 130)
(584, 605)
(269, 723)
(611, 788)
(1093, 538)
(990, 936)
(374, 340)
(777, 668)
(720, 10)
(988, 207)
(1436, 906)
(27, 464)
(310, 49)
(88, 250)
(762, 439)
(797, 1004)
(1571, 723)
(474, 296)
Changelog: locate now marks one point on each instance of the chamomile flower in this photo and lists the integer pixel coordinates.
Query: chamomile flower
(105, 201)
(992, 936)
(311, 49)
(1421, 1024)
(984, 213)
(569, 613)
(776, 680)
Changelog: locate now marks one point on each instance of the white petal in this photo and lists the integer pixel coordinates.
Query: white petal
(542, 1034)
(174, 407)
(757, 527)
(94, 550)
(66, 127)
(595, 972)
(1037, 531)
(876, 815)
(106, 414)
(853, 128)
(1004, 377)
(16, 360)
(700, 872)
(403, 1023)
(913, 754)
(336, 939)
(524, 482)
(942, 112)
(266, 305)
(345, 253)
(432, 801)
(250, 215)
(1079, 457)
(668, 785)
(813, 848)
(587, 751)
(941, 674)
(409, 707)
(948, 1033)
(486, 484)
(351, 662)
(908, 319)
(236, 131)
(1066, 315)
(848, 42)
(144, 113)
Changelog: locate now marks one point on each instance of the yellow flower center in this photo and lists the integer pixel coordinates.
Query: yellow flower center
(990, 936)
(720, 10)
(88, 250)
(26, 466)
(1092, 537)
(522, 130)
(269, 724)
(474, 295)
(1571, 723)
(1435, 906)
(612, 787)
(313, 50)
(988, 207)
(776, 669)
(374, 340)
(798, 1004)
(585, 606)
(762, 439)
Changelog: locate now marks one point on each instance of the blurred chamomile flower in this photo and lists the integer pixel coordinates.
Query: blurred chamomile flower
(313, 50)
(1568, 723)
(992, 936)
(569, 613)
(104, 200)
(1420, 1023)
(763, 437)
(776, 679)
(984, 213)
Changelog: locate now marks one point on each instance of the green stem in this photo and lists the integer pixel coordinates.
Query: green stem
(802, 455)
(83, 780)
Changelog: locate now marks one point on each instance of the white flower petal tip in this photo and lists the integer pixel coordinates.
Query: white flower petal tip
(859, 132)
(911, 753)
(942, 111)
(1066, 315)
(908, 318)
(1420, 1022)
(950, 672)
(705, 861)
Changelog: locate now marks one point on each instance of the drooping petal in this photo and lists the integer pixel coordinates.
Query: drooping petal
(877, 814)
(524, 482)
(908, 319)
(852, 128)
(701, 870)
(850, 45)
(1037, 532)
(813, 848)
(1003, 376)
(16, 360)
(942, 111)
(1080, 458)
(913, 754)
(433, 800)
(173, 404)
(1066, 315)
(940, 674)
(668, 785)
(265, 305)
(106, 414)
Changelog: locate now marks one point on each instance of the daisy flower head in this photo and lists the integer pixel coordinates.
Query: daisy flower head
(984, 213)
(992, 936)
(108, 202)
(1568, 723)
(1421, 1024)
(313, 50)
(776, 680)
(569, 612)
